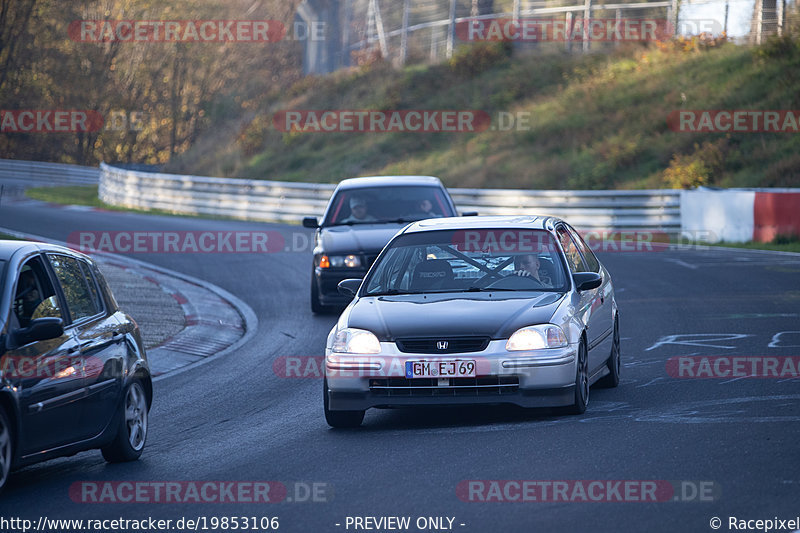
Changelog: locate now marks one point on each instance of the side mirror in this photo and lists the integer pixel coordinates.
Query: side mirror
(40, 329)
(310, 222)
(586, 281)
(469, 214)
(349, 287)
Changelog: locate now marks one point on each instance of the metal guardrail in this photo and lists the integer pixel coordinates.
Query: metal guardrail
(20, 173)
(289, 201)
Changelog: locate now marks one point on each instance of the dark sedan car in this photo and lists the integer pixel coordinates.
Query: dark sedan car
(361, 217)
(73, 370)
(487, 310)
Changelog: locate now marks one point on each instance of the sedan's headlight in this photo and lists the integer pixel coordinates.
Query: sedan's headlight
(352, 340)
(339, 261)
(536, 338)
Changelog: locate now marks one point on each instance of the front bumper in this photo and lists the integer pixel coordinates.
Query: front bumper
(527, 379)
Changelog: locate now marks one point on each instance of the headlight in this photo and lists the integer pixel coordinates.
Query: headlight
(339, 261)
(352, 340)
(537, 338)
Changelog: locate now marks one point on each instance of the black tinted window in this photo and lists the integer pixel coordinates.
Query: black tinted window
(34, 296)
(383, 204)
(82, 301)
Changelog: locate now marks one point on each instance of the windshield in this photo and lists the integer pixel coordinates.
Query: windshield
(371, 205)
(468, 261)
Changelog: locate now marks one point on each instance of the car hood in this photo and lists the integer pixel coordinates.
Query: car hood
(496, 315)
(363, 238)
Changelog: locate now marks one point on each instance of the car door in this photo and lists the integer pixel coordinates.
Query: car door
(100, 339)
(602, 313)
(47, 374)
(589, 300)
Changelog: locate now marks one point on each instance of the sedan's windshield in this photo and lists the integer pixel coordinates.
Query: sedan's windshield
(469, 261)
(375, 205)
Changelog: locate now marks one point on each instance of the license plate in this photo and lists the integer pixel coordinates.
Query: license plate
(440, 369)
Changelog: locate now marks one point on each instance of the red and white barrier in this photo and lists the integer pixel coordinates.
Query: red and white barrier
(739, 215)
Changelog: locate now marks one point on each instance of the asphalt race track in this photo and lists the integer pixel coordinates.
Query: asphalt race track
(728, 445)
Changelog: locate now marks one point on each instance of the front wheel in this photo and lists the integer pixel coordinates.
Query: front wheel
(316, 306)
(340, 419)
(131, 434)
(581, 382)
(6, 448)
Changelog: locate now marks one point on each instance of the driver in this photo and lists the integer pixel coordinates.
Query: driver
(358, 211)
(27, 297)
(425, 209)
(529, 266)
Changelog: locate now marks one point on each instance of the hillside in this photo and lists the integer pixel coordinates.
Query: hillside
(597, 121)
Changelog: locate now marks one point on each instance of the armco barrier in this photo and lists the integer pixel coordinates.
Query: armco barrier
(33, 173)
(289, 201)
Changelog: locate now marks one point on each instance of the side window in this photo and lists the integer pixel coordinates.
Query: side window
(571, 252)
(591, 261)
(91, 283)
(80, 299)
(105, 290)
(34, 296)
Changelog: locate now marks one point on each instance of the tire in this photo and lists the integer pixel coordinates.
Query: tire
(131, 434)
(316, 306)
(612, 379)
(340, 419)
(581, 382)
(6, 448)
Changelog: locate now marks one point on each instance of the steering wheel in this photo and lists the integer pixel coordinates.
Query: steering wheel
(516, 282)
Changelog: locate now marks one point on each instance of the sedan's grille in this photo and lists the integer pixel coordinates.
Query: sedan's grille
(371, 259)
(424, 387)
(437, 345)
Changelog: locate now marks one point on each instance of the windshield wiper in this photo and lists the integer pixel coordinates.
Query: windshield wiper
(489, 289)
(355, 222)
(391, 292)
(400, 220)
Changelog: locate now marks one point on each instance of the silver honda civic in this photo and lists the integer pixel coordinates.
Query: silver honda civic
(478, 310)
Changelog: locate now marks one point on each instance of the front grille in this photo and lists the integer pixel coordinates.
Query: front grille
(454, 344)
(425, 387)
(370, 259)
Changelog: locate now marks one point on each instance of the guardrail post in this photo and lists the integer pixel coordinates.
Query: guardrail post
(569, 21)
(451, 29)
(404, 35)
(587, 20)
(672, 16)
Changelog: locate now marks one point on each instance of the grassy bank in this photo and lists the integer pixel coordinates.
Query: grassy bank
(597, 121)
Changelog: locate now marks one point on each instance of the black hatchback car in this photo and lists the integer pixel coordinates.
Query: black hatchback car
(363, 215)
(73, 370)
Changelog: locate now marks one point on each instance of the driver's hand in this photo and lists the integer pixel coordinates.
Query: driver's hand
(523, 273)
